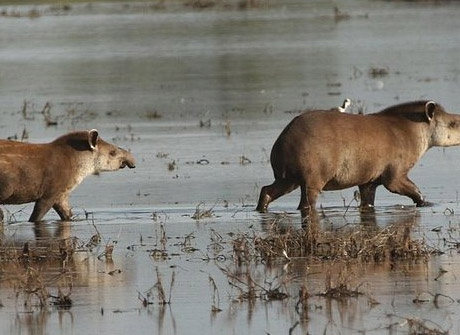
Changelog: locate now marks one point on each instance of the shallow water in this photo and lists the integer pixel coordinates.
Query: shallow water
(146, 78)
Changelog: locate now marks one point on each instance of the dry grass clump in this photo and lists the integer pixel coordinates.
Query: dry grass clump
(249, 289)
(421, 327)
(201, 212)
(157, 291)
(66, 113)
(62, 300)
(200, 4)
(340, 287)
(32, 13)
(359, 243)
(376, 72)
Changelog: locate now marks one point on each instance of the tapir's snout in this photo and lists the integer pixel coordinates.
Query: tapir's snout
(128, 161)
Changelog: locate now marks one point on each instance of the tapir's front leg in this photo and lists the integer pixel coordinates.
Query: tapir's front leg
(404, 186)
(62, 207)
(42, 206)
(367, 194)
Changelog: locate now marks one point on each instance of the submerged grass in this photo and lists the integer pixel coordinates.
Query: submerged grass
(362, 243)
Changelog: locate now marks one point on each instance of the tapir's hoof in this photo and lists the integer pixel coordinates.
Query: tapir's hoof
(366, 208)
(306, 212)
(262, 208)
(262, 205)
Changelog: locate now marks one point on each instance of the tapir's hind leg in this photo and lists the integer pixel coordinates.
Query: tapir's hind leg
(272, 192)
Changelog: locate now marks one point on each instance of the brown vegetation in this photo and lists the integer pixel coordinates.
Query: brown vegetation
(362, 243)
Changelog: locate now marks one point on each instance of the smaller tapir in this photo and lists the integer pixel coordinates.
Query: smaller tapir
(47, 173)
(328, 150)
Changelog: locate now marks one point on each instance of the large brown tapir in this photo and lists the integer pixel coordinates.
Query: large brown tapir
(47, 173)
(328, 150)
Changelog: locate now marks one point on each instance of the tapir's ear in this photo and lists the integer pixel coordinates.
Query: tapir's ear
(92, 138)
(430, 107)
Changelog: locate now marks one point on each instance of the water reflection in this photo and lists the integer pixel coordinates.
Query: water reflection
(389, 278)
(166, 325)
(392, 283)
(333, 218)
(47, 232)
(35, 322)
(43, 264)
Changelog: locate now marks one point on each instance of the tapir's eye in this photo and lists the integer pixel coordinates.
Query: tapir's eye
(453, 124)
(113, 153)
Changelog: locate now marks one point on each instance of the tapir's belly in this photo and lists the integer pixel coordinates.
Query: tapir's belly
(21, 192)
(351, 173)
(20, 198)
(334, 184)
(21, 180)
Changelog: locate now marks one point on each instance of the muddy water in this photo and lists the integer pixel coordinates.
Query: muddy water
(147, 77)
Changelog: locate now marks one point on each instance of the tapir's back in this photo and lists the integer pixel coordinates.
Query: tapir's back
(6, 145)
(26, 155)
(327, 140)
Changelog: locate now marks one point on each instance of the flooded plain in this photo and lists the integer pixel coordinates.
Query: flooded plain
(198, 92)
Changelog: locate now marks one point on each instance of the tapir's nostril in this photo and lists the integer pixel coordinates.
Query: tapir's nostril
(130, 164)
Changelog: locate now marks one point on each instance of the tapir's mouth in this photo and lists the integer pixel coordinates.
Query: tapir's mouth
(129, 164)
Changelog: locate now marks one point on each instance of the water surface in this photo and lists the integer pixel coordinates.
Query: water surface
(146, 78)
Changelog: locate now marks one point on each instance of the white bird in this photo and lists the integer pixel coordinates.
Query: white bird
(345, 105)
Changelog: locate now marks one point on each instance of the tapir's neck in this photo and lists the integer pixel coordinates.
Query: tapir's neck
(416, 135)
(425, 141)
(82, 167)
